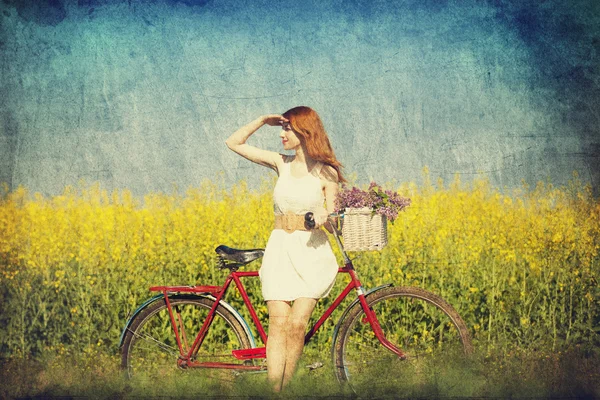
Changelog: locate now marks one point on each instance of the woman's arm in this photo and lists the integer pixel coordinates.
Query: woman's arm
(329, 178)
(237, 141)
(331, 187)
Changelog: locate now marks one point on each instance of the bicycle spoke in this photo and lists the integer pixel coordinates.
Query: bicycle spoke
(150, 339)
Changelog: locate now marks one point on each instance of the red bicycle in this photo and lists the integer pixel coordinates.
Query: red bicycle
(194, 327)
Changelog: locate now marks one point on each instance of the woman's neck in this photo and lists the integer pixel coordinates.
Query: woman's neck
(303, 158)
(300, 155)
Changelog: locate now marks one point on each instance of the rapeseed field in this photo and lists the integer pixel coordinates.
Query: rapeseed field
(521, 266)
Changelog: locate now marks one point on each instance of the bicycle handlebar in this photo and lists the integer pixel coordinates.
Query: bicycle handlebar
(309, 218)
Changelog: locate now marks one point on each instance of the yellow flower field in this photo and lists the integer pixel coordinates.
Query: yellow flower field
(521, 267)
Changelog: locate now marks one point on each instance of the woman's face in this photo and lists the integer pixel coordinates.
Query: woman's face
(289, 138)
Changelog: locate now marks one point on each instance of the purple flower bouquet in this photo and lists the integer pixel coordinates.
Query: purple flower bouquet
(378, 200)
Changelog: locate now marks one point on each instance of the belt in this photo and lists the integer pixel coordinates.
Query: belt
(290, 222)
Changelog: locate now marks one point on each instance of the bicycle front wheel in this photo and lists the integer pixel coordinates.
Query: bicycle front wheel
(419, 323)
(150, 347)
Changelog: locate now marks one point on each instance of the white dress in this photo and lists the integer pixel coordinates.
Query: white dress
(300, 263)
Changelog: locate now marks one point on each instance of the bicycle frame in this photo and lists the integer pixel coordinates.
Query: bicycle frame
(187, 355)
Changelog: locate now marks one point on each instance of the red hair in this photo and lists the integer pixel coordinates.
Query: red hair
(306, 123)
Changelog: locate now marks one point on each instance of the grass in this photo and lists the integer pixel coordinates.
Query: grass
(517, 374)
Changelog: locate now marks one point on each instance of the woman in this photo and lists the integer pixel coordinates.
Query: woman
(299, 265)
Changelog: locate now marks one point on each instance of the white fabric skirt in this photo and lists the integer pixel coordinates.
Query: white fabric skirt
(297, 264)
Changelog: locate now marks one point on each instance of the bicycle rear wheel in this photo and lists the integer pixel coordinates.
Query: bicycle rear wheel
(421, 324)
(150, 347)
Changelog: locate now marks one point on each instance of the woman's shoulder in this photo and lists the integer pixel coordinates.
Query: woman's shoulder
(328, 173)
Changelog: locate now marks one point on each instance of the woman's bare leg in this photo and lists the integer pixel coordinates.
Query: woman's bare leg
(296, 330)
(279, 312)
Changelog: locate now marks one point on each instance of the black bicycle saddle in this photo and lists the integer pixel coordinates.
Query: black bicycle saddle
(239, 256)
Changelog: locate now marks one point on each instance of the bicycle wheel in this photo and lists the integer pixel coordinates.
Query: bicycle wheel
(420, 323)
(150, 348)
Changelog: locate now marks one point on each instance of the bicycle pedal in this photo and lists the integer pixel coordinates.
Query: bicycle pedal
(314, 365)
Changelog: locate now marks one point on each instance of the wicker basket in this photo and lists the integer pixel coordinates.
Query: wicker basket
(363, 230)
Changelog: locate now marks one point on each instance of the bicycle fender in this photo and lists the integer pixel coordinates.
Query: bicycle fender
(135, 313)
(225, 305)
(347, 310)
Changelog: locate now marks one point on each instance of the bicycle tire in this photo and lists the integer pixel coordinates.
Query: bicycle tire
(420, 323)
(150, 347)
